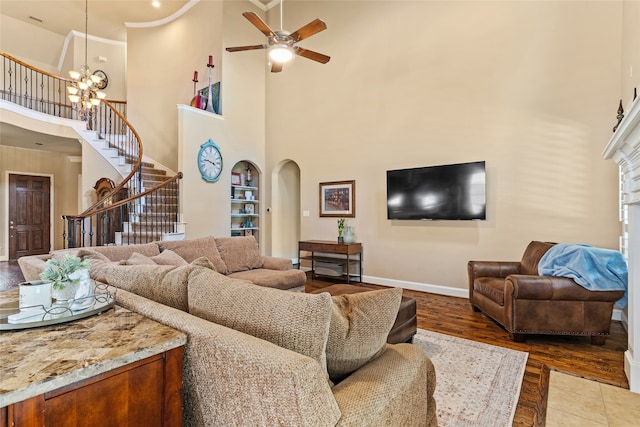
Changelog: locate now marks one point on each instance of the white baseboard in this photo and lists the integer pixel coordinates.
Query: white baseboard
(416, 286)
(622, 317)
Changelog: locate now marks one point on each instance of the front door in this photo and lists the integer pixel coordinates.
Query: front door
(29, 215)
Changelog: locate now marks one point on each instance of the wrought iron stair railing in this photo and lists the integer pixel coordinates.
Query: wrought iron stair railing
(133, 212)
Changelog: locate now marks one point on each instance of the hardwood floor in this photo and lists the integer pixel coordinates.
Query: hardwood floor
(569, 354)
(454, 316)
(10, 275)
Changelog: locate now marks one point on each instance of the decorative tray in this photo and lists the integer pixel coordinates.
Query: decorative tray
(12, 317)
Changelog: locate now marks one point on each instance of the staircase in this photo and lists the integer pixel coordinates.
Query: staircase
(144, 206)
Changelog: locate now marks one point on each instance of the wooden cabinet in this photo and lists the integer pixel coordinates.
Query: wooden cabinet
(144, 393)
(245, 201)
(332, 260)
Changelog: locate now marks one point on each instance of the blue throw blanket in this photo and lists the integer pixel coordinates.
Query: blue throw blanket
(593, 268)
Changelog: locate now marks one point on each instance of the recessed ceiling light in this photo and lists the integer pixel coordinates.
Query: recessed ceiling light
(155, 3)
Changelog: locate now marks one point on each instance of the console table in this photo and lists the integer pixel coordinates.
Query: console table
(117, 368)
(330, 252)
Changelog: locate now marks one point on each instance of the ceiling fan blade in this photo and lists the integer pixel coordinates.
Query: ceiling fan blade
(308, 30)
(276, 67)
(309, 54)
(259, 23)
(241, 48)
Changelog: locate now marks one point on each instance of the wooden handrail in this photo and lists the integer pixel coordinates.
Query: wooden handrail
(93, 209)
(129, 199)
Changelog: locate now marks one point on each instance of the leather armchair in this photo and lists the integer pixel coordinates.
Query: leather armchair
(523, 302)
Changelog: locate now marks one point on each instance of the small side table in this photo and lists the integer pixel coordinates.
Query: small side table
(326, 251)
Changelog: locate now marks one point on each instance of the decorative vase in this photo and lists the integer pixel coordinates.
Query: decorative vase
(348, 235)
(84, 296)
(64, 294)
(340, 240)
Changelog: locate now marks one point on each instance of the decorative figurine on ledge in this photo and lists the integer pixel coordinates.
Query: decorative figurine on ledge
(620, 116)
(209, 107)
(248, 181)
(197, 101)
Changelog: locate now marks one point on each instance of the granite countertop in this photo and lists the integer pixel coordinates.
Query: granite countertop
(35, 361)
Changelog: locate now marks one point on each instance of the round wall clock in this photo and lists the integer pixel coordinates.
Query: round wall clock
(105, 80)
(210, 161)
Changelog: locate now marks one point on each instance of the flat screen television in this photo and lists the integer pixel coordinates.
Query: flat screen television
(449, 192)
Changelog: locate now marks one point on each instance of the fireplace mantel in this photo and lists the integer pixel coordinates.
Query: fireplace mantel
(624, 149)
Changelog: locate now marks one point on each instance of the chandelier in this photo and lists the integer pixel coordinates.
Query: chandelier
(83, 91)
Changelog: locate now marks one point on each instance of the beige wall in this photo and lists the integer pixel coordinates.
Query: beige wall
(40, 48)
(529, 87)
(114, 62)
(239, 132)
(161, 62)
(630, 51)
(65, 185)
(45, 50)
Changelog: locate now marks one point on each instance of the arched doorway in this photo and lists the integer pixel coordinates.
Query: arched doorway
(285, 220)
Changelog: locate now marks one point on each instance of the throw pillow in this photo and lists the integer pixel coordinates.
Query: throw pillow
(359, 327)
(169, 257)
(138, 259)
(192, 249)
(239, 253)
(293, 320)
(165, 284)
(120, 252)
(99, 264)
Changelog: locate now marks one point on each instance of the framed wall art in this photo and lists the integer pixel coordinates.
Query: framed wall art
(338, 199)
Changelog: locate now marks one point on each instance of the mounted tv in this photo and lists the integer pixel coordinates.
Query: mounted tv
(449, 192)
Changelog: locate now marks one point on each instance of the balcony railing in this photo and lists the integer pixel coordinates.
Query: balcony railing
(130, 213)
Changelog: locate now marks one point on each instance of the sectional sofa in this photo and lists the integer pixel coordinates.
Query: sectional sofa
(264, 356)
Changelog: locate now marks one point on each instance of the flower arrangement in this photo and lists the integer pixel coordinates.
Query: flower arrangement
(340, 226)
(71, 269)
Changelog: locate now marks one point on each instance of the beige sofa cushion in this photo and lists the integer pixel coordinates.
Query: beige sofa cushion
(359, 327)
(99, 263)
(166, 257)
(280, 279)
(295, 321)
(239, 253)
(118, 253)
(165, 284)
(192, 249)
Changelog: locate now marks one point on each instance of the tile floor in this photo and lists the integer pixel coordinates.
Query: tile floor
(575, 401)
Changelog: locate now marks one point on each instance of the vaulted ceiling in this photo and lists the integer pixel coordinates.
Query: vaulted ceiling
(106, 17)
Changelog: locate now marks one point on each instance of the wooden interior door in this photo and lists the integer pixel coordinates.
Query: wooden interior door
(29, 215)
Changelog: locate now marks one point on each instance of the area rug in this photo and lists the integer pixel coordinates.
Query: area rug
(477, 384)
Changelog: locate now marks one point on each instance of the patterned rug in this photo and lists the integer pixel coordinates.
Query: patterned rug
(477, 384)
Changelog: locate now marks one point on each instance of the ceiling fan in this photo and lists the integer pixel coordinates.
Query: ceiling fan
(282, 44)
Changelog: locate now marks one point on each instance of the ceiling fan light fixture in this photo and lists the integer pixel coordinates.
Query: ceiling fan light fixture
(281, 53)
